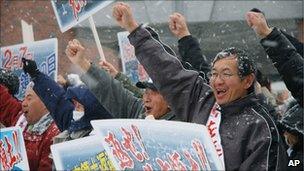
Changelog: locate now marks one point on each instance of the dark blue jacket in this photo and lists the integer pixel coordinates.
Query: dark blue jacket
(59, 103)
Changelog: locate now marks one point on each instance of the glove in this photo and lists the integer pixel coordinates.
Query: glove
(30, 67)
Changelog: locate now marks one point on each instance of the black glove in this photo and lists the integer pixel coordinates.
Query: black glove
(30, 67)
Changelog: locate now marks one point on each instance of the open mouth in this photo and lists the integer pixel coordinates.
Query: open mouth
(25, 113)
(220, 92)
(148, 109)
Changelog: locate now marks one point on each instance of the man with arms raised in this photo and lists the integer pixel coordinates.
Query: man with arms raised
(242, 131)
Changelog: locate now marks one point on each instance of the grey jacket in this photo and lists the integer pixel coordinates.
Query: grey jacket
(120, 102)
(249, 136)
(127, 83)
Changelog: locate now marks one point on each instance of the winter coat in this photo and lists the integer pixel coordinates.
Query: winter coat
(9, 107)
(129, 85)
(190, 51)
(249, 136)
(295, 42)
(292, 122)
(288, 62)
(59, 103)
(191, 57)
(114, 97)
(37, 144)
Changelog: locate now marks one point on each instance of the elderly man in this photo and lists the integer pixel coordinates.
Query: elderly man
(119, 101)
(242, 131)
(36, 122)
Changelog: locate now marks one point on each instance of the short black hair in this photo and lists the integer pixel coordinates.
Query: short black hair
(245, 64)
(263, 79)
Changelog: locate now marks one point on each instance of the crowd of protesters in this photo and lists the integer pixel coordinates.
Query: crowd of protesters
(251, 128)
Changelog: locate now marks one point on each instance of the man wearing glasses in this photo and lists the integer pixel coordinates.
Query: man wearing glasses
(243, 133)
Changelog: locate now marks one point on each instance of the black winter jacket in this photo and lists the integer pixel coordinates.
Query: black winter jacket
(190, 51)
(249, 136)
(288, 62)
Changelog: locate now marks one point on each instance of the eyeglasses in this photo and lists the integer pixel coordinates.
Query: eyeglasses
(222, 75)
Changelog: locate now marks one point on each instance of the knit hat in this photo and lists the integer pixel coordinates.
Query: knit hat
(9, 80)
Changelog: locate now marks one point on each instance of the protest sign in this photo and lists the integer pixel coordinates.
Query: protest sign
(45, 54)
(130, 65)
(81, 154)
(157, 145)
(12, 149)
(69, 13)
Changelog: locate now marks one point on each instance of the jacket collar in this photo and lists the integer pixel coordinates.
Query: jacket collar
(41, 126)
(238, 105)
(168, 116)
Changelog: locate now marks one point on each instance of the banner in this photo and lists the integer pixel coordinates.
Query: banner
(81, 154)
(45, 54)
(12, 149)
(157, 145)
(71, 12)
(130, 65)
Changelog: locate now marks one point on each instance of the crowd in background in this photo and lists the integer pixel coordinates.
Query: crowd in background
(261, 130)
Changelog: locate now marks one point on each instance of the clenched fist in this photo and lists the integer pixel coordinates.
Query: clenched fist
(109, 68)
(123, 15)
(257, 21)
(178, 25)
(75, 52)
(30, 67)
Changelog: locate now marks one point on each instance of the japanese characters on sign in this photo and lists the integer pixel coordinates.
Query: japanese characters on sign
(71, 12)
(130, 65)
(139, 145)
(81, 154)
(12, 150)
(43, 52)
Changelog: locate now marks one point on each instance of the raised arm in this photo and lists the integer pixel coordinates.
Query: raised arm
(109, 92)
(126, 82)
(51, 94)
(283, 54)
(175, 83)
(188, 46)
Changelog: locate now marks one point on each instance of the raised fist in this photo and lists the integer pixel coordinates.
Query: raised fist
(75, 52)
(109, 68)
(30, 67)
(123, 15)
(178, 25)
(257, 21)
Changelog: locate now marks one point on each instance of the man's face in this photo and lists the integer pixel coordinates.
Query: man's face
(154, 103)
(33, 107)
(226, 84)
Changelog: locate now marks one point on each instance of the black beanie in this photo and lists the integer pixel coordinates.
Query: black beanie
(9, 80)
